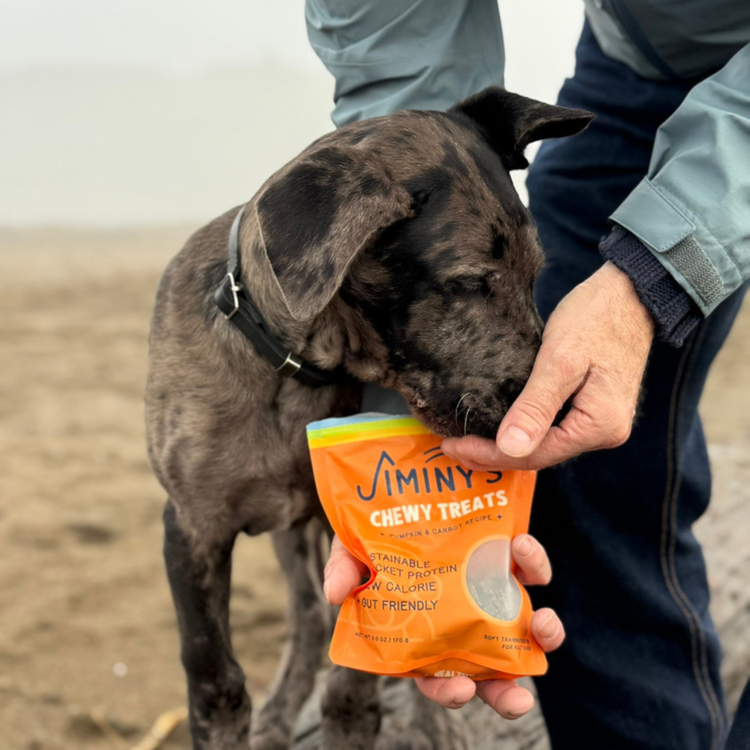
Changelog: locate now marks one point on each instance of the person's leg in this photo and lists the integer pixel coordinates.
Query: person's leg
(640, 667)
(739, 737)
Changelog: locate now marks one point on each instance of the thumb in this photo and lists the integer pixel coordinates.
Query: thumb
(343, 573)
(529, 419)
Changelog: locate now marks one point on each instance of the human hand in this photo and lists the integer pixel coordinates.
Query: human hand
(344, 572)
(595, 348)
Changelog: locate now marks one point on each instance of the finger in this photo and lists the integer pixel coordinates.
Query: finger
(547, 629)
(552, 380)
(449, 692)
(481, 453)
(343, 572)
(506, 698)
(578, 433)
(534, 568)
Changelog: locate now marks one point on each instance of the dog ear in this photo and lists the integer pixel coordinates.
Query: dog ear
(509, 122)
(318, 213)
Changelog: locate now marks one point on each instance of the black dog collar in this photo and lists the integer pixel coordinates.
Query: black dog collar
(234, 301)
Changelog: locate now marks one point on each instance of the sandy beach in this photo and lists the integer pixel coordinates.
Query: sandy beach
(88, 641)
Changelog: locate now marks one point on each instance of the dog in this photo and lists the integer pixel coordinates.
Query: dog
(392, 251)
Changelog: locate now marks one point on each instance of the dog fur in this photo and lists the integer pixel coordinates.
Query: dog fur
(396, 248)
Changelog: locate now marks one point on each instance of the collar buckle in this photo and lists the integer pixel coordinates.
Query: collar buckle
(290, 366)
(234, 287)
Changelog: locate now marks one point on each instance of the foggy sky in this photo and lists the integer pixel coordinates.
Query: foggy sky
(127, 111)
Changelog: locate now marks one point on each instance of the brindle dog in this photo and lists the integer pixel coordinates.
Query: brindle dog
(397, 248)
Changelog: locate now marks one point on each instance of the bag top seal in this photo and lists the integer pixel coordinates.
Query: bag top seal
(371, 426)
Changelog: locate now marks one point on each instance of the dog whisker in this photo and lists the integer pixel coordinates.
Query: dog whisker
(466, 421)
(458, 405)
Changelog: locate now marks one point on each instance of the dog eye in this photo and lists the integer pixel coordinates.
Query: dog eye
(469, 285)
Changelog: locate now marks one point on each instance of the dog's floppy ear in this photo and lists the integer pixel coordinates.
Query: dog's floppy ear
(511, 121)
(318, 213)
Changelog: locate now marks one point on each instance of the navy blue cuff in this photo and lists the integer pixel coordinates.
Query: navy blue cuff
(674, 312)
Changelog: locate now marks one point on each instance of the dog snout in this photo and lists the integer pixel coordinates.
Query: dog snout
(479, 412)
(508, 391)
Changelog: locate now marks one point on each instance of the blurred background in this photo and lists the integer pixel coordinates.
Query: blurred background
(124, 126)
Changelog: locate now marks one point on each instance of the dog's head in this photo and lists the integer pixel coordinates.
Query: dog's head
(407, 232)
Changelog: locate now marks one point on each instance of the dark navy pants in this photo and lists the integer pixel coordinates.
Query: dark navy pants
(640, 666)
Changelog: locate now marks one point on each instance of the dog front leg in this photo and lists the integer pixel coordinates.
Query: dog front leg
(351, 710)
(200, 582)
(429, 726)
(309, 625)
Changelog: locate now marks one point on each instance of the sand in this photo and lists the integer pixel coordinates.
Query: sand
(86, 622)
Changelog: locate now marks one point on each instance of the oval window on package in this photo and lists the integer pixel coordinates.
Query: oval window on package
(489, 580)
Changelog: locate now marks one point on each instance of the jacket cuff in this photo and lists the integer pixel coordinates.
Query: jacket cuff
(674, 312)
(690, 253)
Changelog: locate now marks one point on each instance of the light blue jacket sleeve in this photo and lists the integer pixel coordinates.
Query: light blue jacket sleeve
(389, 55)
(692, 210)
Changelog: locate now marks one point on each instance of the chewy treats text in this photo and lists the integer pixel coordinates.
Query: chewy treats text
(441, 599)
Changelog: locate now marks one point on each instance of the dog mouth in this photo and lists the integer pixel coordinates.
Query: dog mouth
(462, 421)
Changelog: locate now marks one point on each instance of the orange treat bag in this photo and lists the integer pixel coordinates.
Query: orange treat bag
(442, 599)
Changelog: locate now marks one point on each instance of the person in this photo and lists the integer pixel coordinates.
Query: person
(666, 166)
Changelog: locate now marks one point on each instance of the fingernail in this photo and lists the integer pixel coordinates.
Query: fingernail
(548, 629)
(514, 442)
(326, 575)
(524, 547)
(516, 714)
(463, 697)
